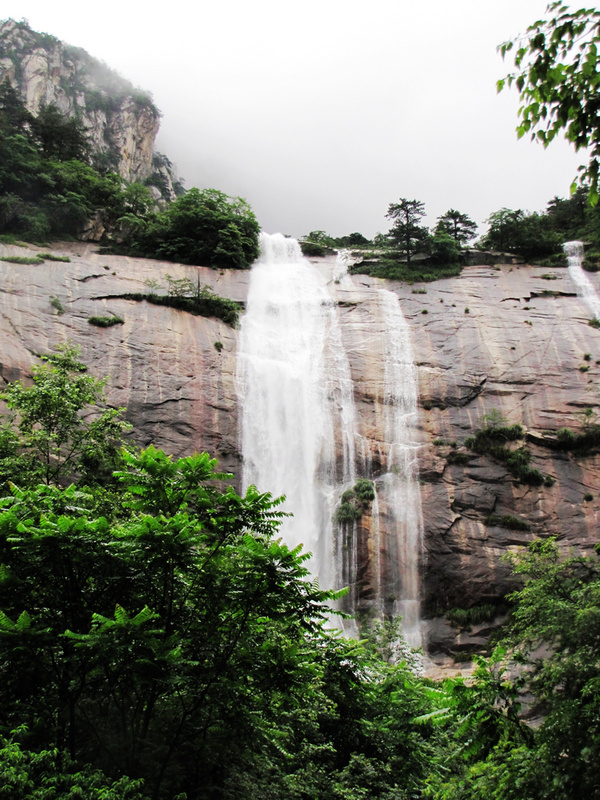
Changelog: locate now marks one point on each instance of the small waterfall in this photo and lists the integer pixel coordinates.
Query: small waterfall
(400, 490)
(574, 251)
(295, 392)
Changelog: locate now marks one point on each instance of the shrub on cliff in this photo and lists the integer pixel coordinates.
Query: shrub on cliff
(206, 228)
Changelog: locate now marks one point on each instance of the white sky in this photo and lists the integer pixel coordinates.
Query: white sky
(322, 112)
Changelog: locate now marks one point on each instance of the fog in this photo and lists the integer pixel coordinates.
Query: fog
(322, 113)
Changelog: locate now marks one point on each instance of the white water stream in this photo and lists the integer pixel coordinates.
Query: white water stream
(295, 392)
(400, 485)
(574, 251)
(297, 411)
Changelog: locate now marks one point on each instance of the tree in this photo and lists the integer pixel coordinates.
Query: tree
(14, 116)
(460, 226)
(559, 606)
(354, 239)
(557, 78)
(58, 436)
(320, 237)
(505, 230)
(201, 227)
(155, 644)
(137, 199)
(406, 230)
(554, 638)
(529, 235)
(59, 136)
(444, 248)
(52, 775)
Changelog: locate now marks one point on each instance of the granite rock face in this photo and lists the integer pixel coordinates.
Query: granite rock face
(523, 350)
(162, 364)
(121, 121)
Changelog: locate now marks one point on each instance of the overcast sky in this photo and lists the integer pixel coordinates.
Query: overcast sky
(322, 112)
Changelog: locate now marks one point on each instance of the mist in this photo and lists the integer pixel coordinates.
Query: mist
(320, 114)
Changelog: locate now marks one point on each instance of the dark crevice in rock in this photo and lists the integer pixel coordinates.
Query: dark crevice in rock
(169, 400)
(90, 277)
(474, 392)
(447, 530)
(552, 293)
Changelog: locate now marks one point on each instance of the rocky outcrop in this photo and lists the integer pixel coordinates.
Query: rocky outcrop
(514, 340)
(121, 121)
(511, 339)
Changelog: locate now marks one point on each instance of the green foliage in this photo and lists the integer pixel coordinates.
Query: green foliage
(354, 502)
(444, 249)
(57, 305)
(46, 189)
(201, 227)
(52, 257)
(584, 442)
(388, 266)
(594, 323)
(491, 440)
(56, 442)
(347, 513)
(52, 775)
(59, 137)
(13, 113)
(312, 249)
(7, 238)
(559, 606)
(508, 521)
(173, 637)
(364, 491)
(460, 459)
(354, 239)
(319, 243)
(28, 260)
(180, 640)
(197, 299)
(556, 77)
(475, 615)
(406, 230)
(457, 225)
(105, 322)
(529, 235)
(137, 199)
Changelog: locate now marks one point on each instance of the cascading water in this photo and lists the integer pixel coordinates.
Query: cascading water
(574, 251)
(295, 393)
(400, 491)
(300, 434)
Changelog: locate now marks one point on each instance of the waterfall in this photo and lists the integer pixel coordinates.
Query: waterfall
(295, 393)
(400, 490)
(300, 435)
(574, 251)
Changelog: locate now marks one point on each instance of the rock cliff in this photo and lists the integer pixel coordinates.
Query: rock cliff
(508, 339)
(121, 121)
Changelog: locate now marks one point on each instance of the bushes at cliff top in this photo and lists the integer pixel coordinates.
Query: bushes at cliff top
(206, 228)
(47, 190)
